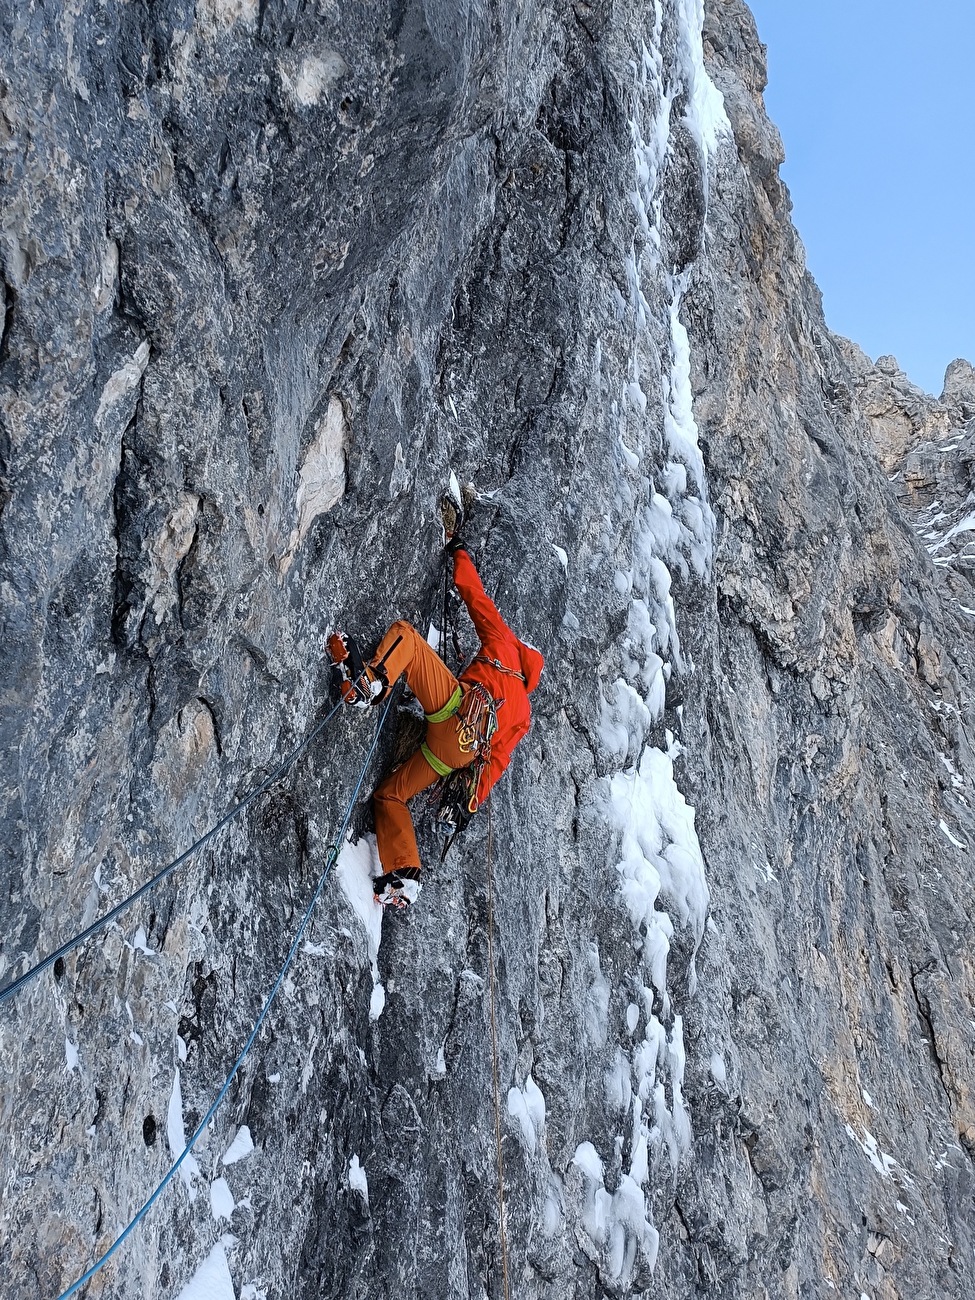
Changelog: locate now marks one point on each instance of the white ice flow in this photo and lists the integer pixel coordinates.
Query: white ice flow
(658, 857)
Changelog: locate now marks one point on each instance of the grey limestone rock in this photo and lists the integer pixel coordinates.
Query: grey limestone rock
(271, 271)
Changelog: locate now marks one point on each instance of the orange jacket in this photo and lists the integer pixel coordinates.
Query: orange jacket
(510, 688)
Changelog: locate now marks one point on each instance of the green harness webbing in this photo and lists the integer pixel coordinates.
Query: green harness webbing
(438, 766)
(448, 710)
(441, 715)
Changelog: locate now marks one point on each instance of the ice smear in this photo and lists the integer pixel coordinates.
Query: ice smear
(212, 1280)
(552, 1212)
(597, 1003)
(189, 1170)
(356, 868)
(222, 1203)
(357, 1179)
(70, 1055)
(242, 1145)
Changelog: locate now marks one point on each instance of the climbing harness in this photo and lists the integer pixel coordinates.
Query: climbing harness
(331, 858)
(495, 1070)
(14, 986)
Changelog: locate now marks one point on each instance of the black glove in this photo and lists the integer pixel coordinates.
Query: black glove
(455, 543)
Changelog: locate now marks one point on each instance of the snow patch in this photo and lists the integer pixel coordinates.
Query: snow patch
(222, 1203)
(659, 852)
(718, 1071)
(526, 1106)
(189, 1170)
(70, 1055)
(587, 1159)
(671, 529)
(212, 1280)
(617, 1222)
(356, 868)
(357, 1179)
(881, 1161)
(377, 1002)
(947, 833)
(140, 944)
(242, 1145)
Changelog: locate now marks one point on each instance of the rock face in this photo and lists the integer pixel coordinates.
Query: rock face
(270, 273)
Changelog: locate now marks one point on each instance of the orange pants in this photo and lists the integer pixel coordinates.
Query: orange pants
(433, 684)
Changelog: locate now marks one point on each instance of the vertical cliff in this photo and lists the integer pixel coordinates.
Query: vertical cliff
(271, 272)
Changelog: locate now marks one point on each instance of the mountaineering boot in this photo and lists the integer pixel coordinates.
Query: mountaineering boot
(399, 888)
(360, 685)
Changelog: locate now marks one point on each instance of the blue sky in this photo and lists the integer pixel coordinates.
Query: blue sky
(875, 100)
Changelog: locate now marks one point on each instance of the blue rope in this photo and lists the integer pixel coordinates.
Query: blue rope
(333, 853)
(14, 986)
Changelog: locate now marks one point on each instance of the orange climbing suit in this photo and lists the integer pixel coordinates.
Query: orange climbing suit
(507, 667)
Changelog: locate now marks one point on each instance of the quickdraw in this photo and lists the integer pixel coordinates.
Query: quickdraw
(477, 721)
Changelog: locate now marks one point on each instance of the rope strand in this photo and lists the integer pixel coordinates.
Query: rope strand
(494, 1053)
(14, 986)
(330, 861)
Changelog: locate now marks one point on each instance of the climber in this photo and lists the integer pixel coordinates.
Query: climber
(474, 721)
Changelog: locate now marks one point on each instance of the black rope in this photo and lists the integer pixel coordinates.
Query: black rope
(14, 986)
